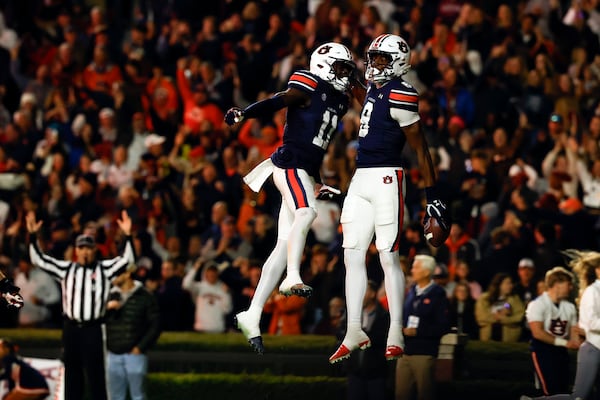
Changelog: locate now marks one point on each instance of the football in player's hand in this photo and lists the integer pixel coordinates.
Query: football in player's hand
(435, 233)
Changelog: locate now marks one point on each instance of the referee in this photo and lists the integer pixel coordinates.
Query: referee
(85, 286)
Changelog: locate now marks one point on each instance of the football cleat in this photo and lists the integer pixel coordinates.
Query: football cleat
(257, 345)
(298, 289)
(251, 331)
(393, 353)
(360, 341)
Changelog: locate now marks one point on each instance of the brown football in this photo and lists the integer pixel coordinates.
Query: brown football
(434, 233)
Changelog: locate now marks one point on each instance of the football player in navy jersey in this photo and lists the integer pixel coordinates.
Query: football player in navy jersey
(374, 205)
(316, 100)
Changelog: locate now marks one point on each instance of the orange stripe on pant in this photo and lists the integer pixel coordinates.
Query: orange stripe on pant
(538, 371)
(399, 177)
(295, 185)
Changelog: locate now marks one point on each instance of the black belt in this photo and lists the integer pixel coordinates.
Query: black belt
(84, 324)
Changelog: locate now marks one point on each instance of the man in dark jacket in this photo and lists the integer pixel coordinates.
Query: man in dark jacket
(132, 327)
(425, 322)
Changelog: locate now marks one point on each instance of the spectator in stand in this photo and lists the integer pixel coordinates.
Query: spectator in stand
(499, 311)
(324, 276)
(172, 300)
(589, 176)
(219, 88)
(211, 297)
(498, 257)
(459, 246)
(546, 253)
(132, 328)
(527, 290)
(454, 98)
(462, 311)
(442, 279)
(119, 173)
(425, 322)
(265, 143)
(562, 159)
(197, 106)
(228, 246)
(413, 241)
(100, 76)
(336, 320)
(526, 286)
(463, 274)
(287, 312)
(325, 227)
(264, 237)
(40, 294)
(479, 187)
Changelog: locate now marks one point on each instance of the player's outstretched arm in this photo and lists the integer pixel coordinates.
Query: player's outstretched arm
(290, 97)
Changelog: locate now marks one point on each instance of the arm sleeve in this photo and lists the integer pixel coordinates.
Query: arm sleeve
(117, 265)
(302, 81)
(267, 106)
(56, 268)
(534, 312)
(188, 282)
(404, 106)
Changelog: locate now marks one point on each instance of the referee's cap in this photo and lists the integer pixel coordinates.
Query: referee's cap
(84, 240)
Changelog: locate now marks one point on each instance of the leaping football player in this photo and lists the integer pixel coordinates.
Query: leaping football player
(374, 205)
(316, 100)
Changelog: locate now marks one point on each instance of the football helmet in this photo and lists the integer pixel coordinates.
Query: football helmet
(333, 63)
(397, 52)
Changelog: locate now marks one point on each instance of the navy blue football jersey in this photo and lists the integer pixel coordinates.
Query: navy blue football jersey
(308, 130)
(384, 112)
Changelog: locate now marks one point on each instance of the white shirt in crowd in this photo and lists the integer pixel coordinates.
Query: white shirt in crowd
(41, 286)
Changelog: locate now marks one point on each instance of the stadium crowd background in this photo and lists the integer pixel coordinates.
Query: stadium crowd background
(119, 105)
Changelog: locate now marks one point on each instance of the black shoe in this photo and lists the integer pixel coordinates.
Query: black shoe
(257, 345)
(302, 290)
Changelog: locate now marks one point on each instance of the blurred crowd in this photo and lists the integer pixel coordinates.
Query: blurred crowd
(118, 105)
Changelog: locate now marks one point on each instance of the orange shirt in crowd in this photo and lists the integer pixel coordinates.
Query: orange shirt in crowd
(193, 114)
(287, 313)
(101, 79)
(269, 141)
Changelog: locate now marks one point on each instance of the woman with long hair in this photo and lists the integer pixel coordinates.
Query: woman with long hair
(499, 311)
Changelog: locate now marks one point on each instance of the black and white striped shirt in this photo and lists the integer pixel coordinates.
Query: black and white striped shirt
(85, 289)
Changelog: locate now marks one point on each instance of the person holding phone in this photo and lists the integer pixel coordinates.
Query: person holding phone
(499, 311)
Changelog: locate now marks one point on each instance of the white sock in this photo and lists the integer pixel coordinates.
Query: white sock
(394, 289)
(269, 277)
(356, 284)
(303, 218)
